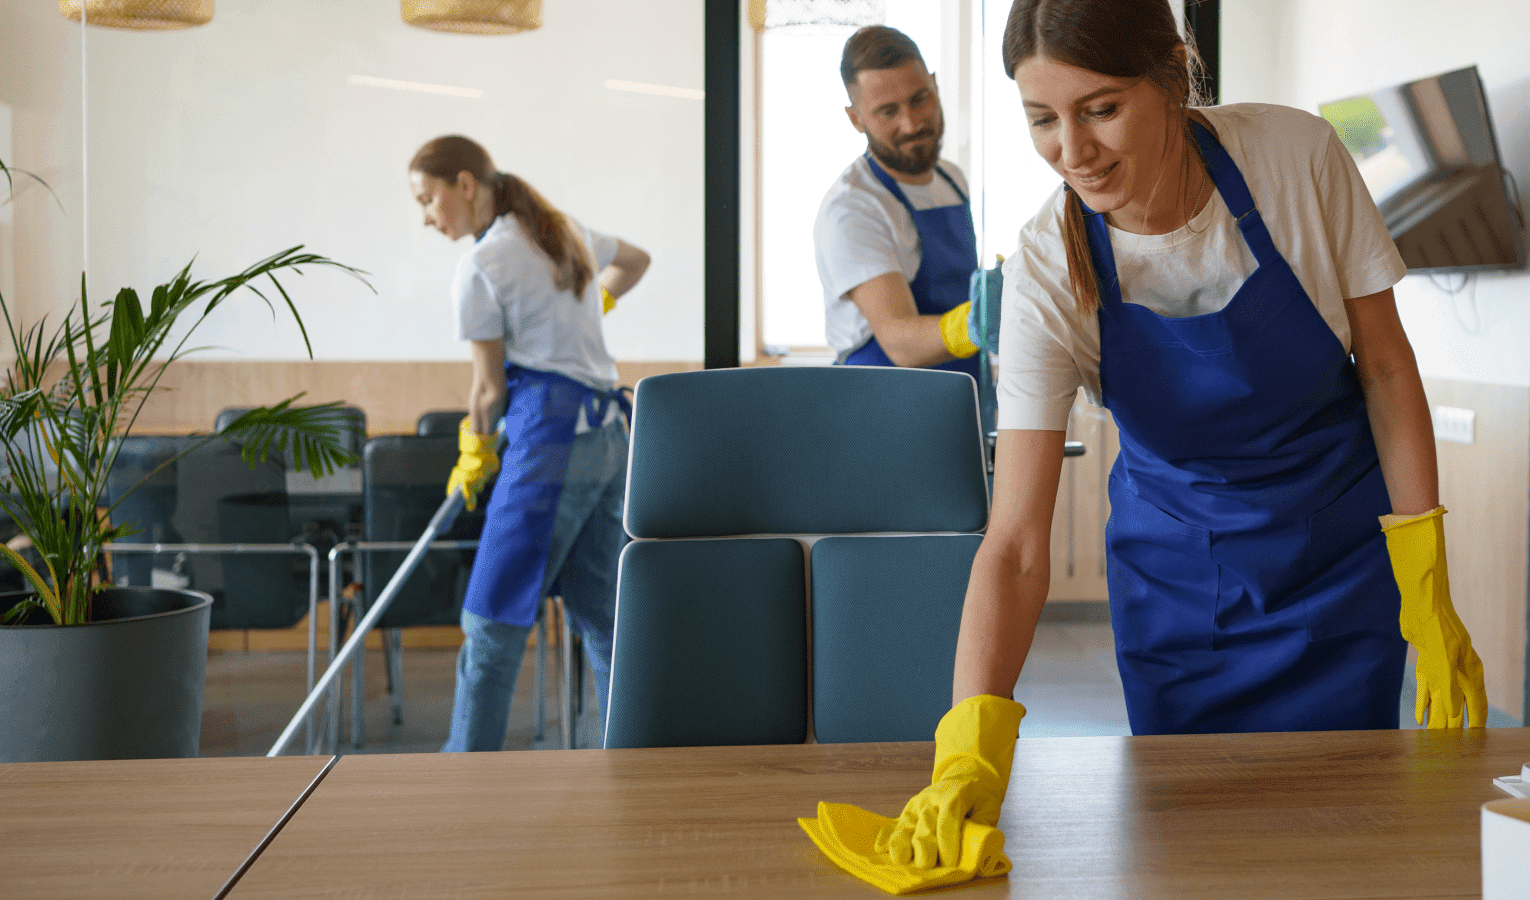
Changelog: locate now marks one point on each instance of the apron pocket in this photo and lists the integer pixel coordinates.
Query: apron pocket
(1350, 586)
(1163, 581)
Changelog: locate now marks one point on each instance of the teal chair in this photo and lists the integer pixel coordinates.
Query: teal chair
(770, 504)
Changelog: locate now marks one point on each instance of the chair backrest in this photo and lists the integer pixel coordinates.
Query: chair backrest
(403, 483)
(149, 459)
(439, 422)
(815, 450)
(222, 499)
(727, 466)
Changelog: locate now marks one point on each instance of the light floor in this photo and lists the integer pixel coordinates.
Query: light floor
(252, 696)
(1070, 687)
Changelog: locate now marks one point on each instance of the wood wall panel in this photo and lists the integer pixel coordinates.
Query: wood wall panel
(393, 394)
(1485, 487)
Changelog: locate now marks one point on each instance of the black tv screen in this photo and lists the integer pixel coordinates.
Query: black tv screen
(1427, 152)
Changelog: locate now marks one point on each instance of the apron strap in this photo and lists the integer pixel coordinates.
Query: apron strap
(1099, 250)
(597, 404)
(1235, 193)
(892, 185)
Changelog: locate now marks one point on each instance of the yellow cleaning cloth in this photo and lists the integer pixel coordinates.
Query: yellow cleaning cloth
(847, 835)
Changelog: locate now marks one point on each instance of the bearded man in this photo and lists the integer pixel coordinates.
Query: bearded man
(894, 240)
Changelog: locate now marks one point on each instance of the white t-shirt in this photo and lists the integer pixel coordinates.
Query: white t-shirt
(1310, 196)
(504, 289)
(862, 231)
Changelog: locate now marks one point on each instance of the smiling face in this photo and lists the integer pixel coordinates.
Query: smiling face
(898, 110)
(448, 205)
(1118, 142)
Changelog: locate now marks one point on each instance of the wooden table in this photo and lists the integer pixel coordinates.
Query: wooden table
(157, 829)
(1359, 814)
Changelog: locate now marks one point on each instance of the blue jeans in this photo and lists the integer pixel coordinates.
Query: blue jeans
(587, 539)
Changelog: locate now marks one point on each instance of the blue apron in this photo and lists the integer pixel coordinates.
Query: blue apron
(1250, 587)
(947, 259)
(510, 568)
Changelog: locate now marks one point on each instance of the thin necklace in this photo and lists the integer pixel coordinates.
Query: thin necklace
(1199, 193)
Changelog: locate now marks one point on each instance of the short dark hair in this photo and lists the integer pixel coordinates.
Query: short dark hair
(876, 47)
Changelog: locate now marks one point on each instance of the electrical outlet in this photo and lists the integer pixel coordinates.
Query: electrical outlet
(1451, 423)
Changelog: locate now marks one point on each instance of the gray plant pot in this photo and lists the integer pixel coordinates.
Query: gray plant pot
(126, 686)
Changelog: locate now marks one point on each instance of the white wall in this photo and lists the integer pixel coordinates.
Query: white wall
(1307, 52)
(242, 137)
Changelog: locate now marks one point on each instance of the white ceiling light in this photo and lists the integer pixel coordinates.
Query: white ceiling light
(419, 86)
(662, 90)
(816, 14)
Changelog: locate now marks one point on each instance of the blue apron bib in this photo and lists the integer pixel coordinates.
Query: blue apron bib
(1250, 587)
(541, 412)
(947, 259)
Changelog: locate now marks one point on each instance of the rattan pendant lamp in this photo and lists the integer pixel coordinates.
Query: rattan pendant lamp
(143, 15)
(815, 15)
(473, 16)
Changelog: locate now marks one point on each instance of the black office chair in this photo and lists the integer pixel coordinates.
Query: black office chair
(220, 499)
(149, 507)
(324, 511)
(209, 496)
(403, 482)
(439, 422)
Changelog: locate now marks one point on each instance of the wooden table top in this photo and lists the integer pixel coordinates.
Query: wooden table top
(1335, 815)
(157, 829)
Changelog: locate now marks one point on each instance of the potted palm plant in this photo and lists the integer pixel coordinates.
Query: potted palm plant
(87, 670)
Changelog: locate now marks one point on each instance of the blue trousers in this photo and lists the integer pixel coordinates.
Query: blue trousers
(587, 539)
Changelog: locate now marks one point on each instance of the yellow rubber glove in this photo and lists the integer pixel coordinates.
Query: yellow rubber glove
(1449, 671)
(607, 301)
(953, 331)
(847, 836)
(475, 466)
(974, 746)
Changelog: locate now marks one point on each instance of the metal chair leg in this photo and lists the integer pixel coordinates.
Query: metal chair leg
(336, 625)
(566, 694)
(393, 657)
(358, 689)
(578, 675)
(540, 662)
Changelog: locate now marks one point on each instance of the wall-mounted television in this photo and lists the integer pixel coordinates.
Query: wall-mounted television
(1428, 155)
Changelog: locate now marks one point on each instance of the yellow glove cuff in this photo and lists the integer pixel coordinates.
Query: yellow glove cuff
(953, 331)
(984, 728)
(1391, 521)
(607, 301)
(470, 441)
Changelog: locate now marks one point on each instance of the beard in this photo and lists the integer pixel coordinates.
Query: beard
(915, 161)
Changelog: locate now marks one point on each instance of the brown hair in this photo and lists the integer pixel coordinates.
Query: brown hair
(876, 47)
(445, 156)
(1130, 39)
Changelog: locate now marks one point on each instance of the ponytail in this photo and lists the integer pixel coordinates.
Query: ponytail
(552, 232)
(550, 229)
(1081, 275)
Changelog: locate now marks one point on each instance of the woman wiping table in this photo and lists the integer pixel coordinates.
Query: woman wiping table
(1221, 281)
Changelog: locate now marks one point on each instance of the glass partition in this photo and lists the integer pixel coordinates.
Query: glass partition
(285, 122)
